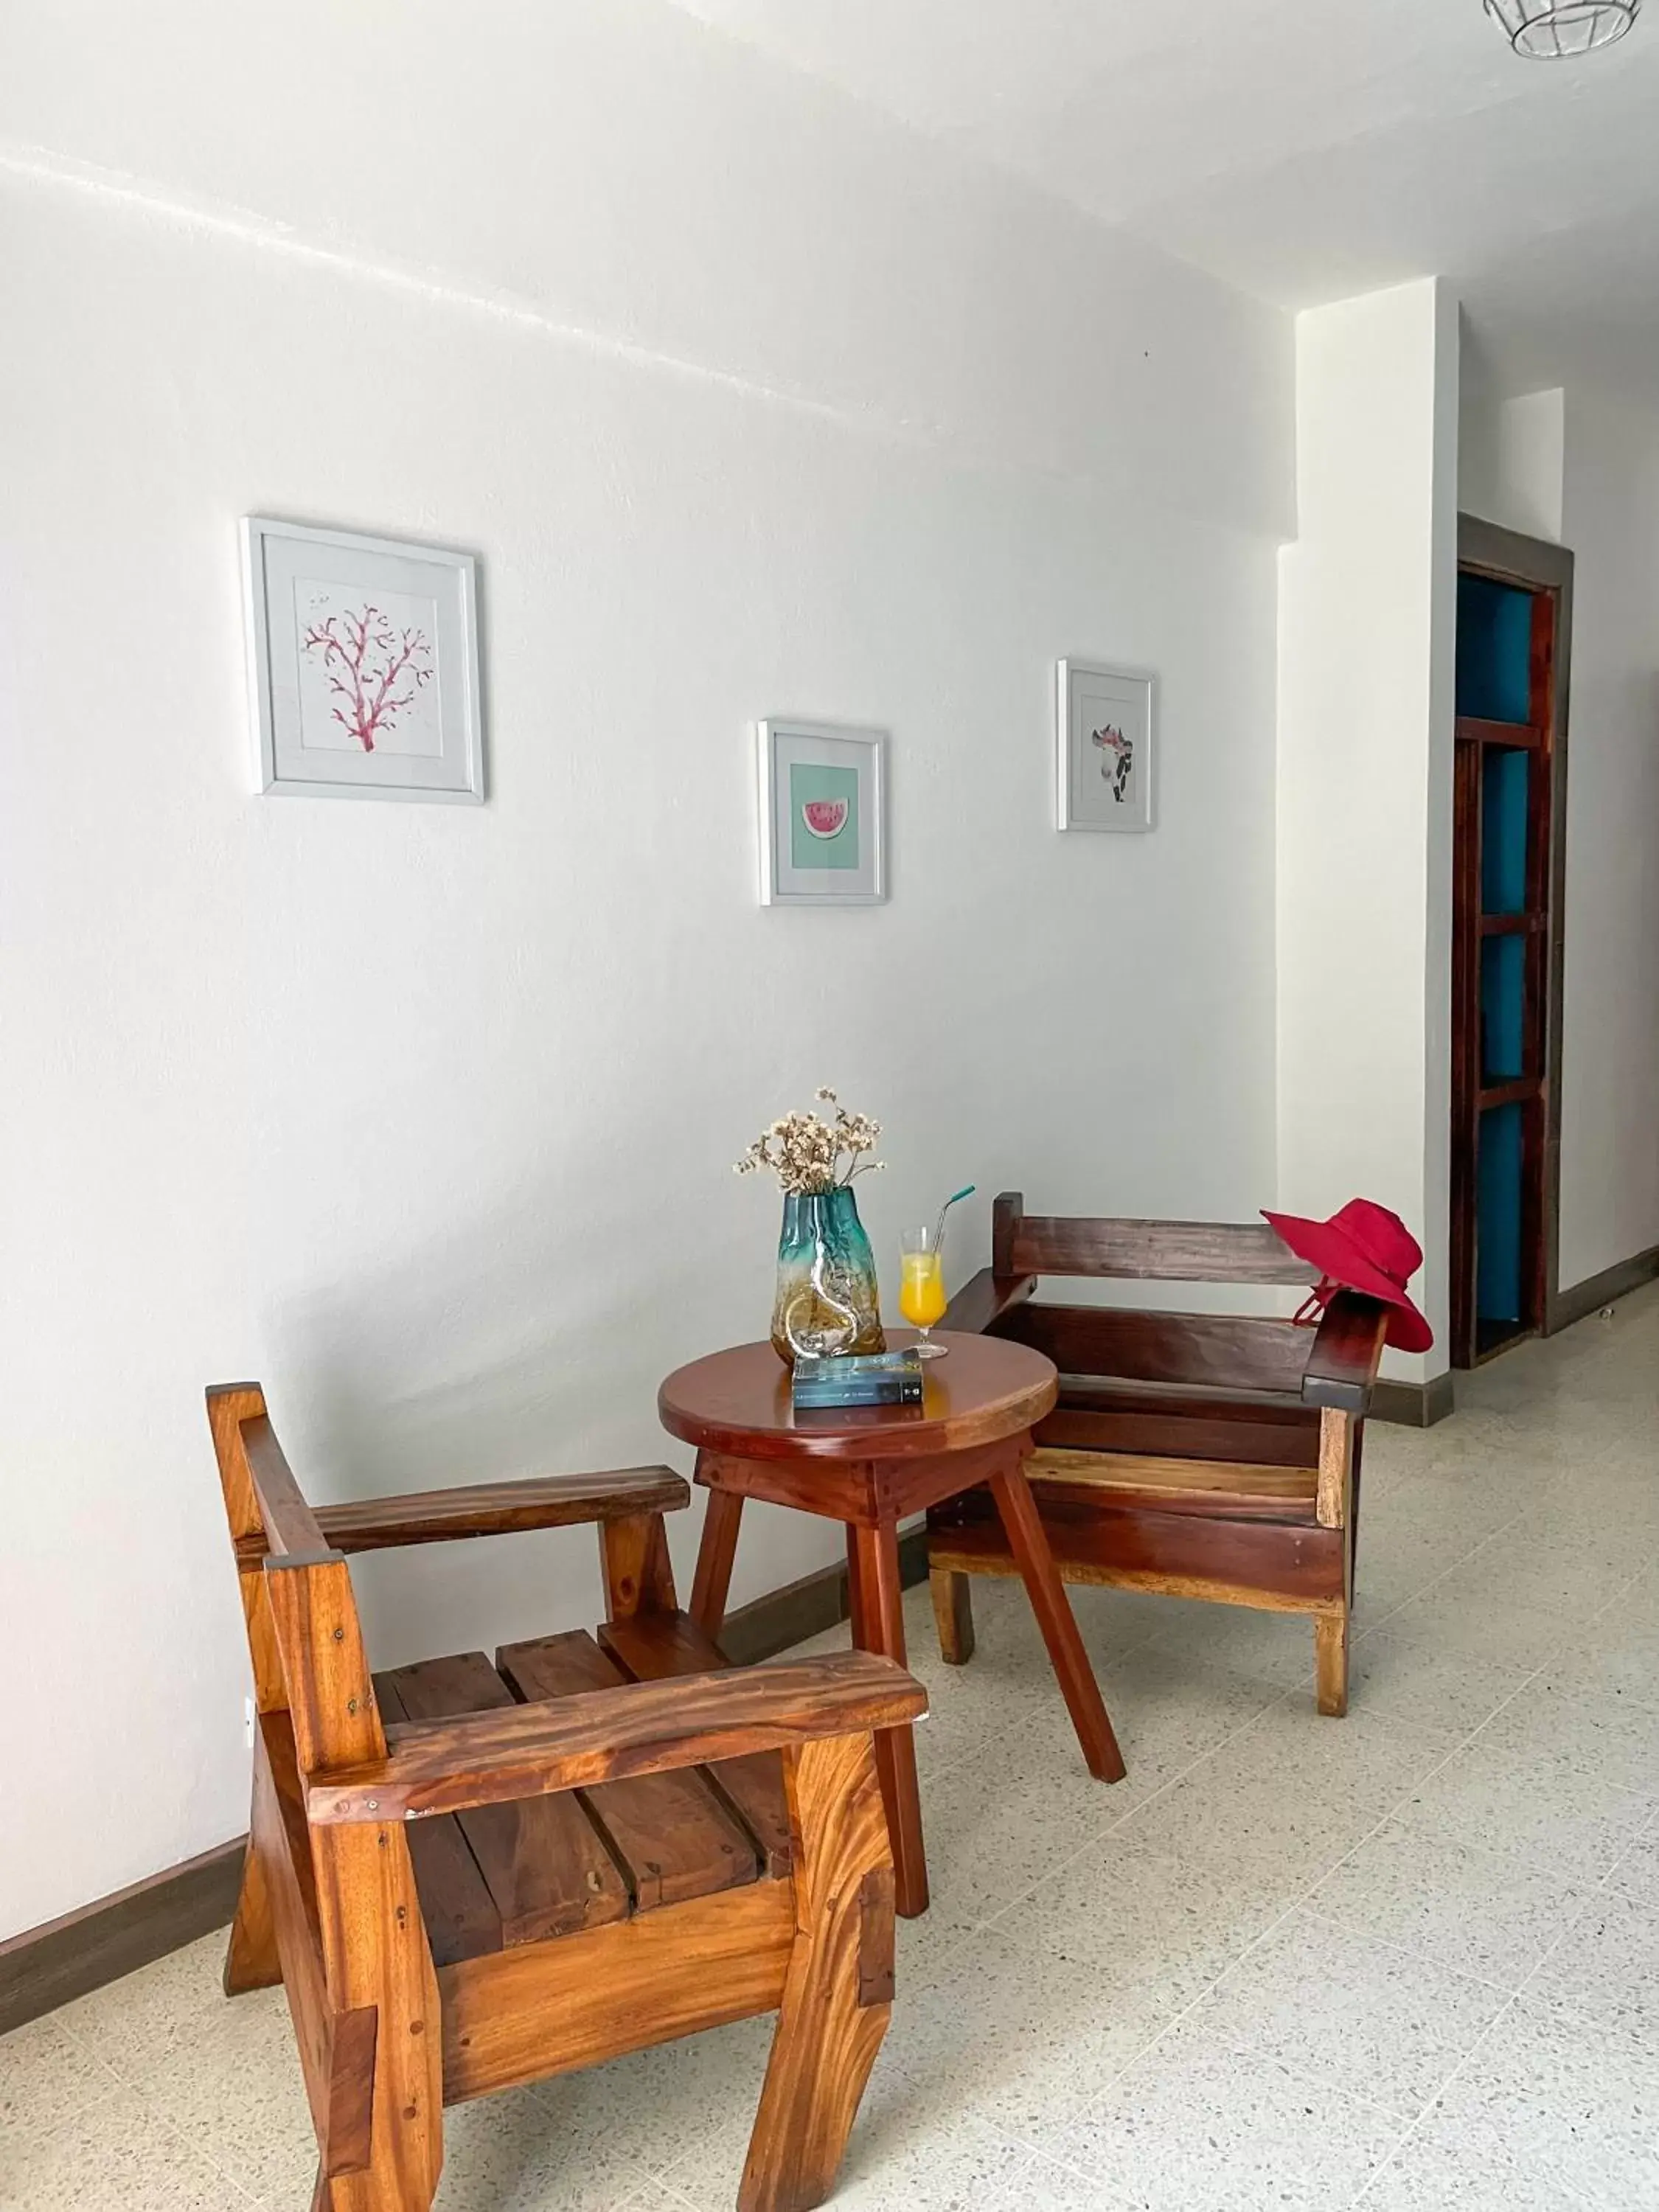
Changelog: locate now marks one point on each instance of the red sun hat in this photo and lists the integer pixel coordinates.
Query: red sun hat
(1364, 1247)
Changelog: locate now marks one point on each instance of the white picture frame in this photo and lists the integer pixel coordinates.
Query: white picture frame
(822, 813)
(363, 658)
(1106, 753)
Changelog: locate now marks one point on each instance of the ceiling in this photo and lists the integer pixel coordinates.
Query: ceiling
(1301, 149)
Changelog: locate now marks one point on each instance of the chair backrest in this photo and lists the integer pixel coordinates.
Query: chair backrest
(304, 1637)
(1240, 1352)
(1148, 1251)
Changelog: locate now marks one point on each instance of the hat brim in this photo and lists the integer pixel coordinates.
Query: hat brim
(1327, 1248)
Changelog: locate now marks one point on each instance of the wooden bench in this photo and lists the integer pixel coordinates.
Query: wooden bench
(468, 1875)
(1210, 1456)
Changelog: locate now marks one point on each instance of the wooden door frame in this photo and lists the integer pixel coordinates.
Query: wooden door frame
(1535, 565)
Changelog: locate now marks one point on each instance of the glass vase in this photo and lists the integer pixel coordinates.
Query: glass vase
(827, 1300)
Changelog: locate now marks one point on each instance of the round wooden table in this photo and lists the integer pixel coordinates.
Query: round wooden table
(871, 1468)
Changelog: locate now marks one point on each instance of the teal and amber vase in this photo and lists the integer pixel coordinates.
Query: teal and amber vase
(827, 1300)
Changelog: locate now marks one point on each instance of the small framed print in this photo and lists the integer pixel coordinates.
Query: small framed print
(1104, 738)
(822, 815)
(362, 665)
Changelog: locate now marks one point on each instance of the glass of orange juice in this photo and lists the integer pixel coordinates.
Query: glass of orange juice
(921, 1286)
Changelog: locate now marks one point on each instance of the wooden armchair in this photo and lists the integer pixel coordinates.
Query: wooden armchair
(469, 1876)
(1203, 1455)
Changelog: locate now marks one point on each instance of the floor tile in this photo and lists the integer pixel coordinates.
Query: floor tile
(1574, 2106)
(988, 1844)
(1607, 1967)
(1144, 1916)
(1608, 1737)
(1364, 1758)
(1279, 1840)
(648, 2109)
(228, 2083)
(996, 1694)
(1398, 1679)
(1610, 1659)
(179, 1999)
(950, 2168)
(1325, 2000)
(1479, 1912)
(46, 2078)
(987, 1847)
(1409, 1540)
(1638, 1600)
(1113, 1622)
(1020, 2048)
(518, 2153)
(1617, 1490)
(1432, 2176)
(1009, 1683)
(114, 2157)
(1636, 1874)
(1198, 2129)
(1169, 1709)
(1278, 1647)
(1044, 2186)
(1528, 1565)
(1460, 1613)
(1564, 1820)
(949, 2164)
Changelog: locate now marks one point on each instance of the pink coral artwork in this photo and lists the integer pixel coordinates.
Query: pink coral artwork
(363, 665)
(376, 670)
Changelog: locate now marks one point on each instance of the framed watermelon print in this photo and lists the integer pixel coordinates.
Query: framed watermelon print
(822, 814)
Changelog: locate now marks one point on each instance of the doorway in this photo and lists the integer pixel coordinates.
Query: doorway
(1509, 853)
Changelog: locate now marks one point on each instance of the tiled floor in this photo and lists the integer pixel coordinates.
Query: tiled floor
(1407, 1960)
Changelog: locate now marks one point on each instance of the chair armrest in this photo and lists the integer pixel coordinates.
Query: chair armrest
(601, 1735)
(494, 1509)
(1347, 1350)
(979, 1305)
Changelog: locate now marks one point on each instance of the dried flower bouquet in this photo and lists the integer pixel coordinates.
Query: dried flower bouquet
(809, 1155)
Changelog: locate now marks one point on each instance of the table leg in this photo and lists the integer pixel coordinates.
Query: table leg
(722, 1520)
(1029, 1543)
(875, 1597)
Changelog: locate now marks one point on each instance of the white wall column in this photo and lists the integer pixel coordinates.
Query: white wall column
(1366, 632)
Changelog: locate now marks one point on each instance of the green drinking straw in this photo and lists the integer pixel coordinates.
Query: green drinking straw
(967, 1191)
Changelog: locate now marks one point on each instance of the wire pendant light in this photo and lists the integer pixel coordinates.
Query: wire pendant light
(1554, 30)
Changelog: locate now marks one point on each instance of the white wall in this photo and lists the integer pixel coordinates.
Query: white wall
(1510, 457)
(1574, 467)
(1367, 607)
(749, 403)
(1610, 1012)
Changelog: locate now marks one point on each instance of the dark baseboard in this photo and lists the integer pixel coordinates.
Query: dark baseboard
(44, 1967)
(1413, 1404)
(1589, 1297)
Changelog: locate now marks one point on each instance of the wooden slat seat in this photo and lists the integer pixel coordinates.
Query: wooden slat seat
(673, 1836)
(1251, 1491)
(652, 1647)
(542, 1867)
(502, 1874)
(463, 1920)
